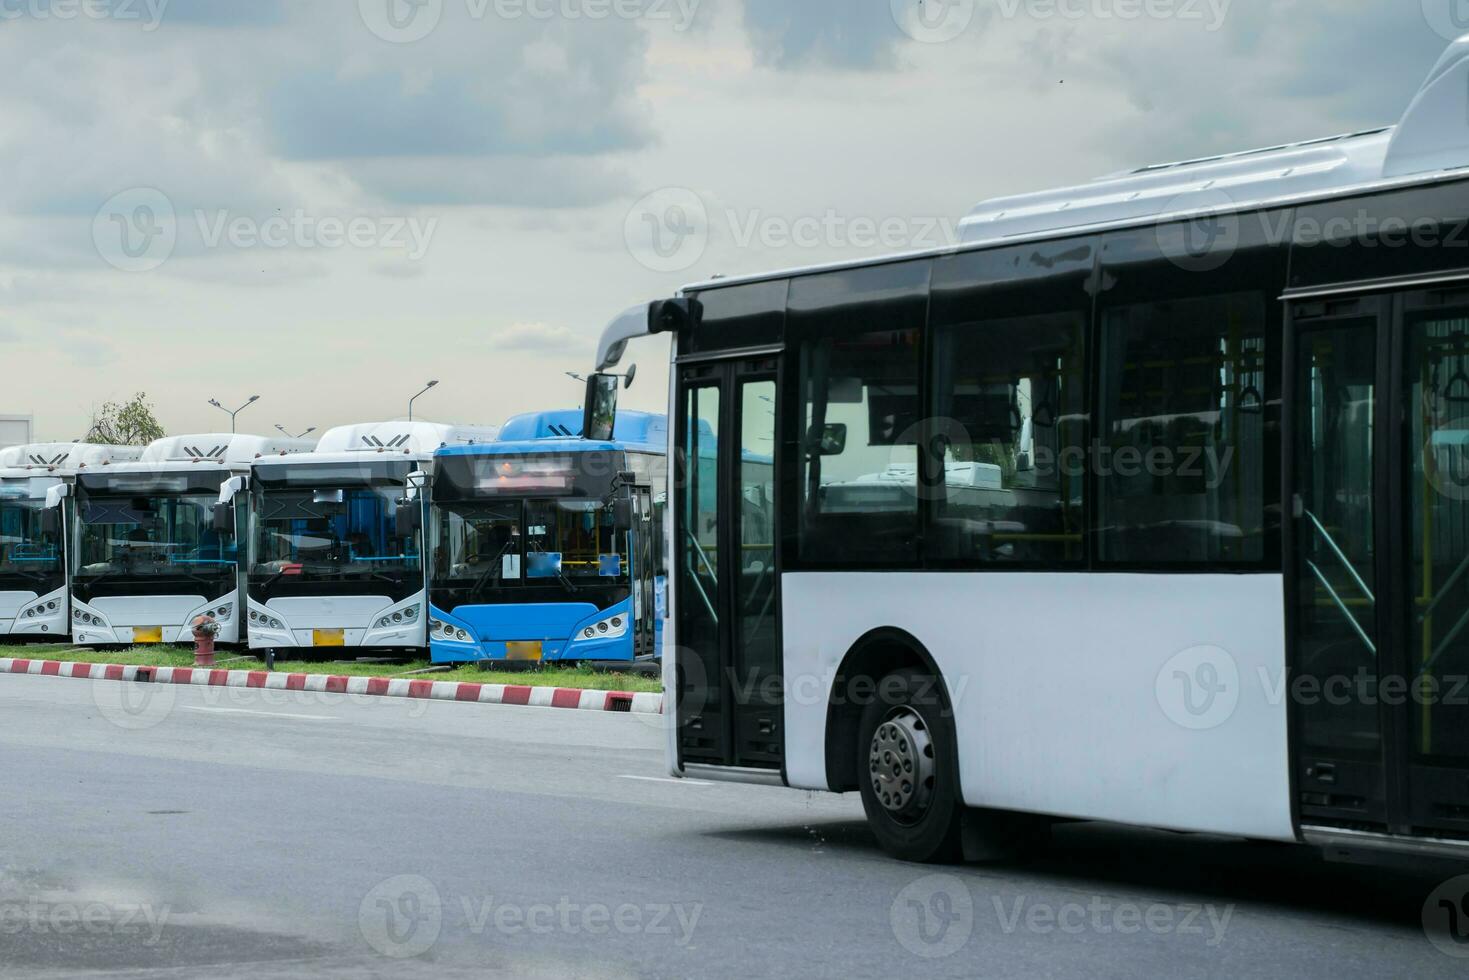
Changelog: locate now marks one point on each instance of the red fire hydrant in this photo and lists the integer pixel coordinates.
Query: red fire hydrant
(205, 630)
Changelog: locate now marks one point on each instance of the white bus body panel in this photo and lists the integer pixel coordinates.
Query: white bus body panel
(121, 615)
(51, 623)
(354, 615)
(1055, 681)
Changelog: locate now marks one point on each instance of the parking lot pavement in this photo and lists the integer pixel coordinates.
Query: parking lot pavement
(241, 835)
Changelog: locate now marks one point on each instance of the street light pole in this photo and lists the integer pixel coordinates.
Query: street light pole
(431, 385)
(289, 435)
(232, 414)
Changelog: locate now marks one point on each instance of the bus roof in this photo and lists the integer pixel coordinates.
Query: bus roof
(1430, 142)
(560, 432)
(227, 450)
(61, 458)
(349, 443)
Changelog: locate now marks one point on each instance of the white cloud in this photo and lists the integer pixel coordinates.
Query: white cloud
(527, 141)
(539, 338)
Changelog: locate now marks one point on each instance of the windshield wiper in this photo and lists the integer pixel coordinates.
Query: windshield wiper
(496, 569)
(570, 586)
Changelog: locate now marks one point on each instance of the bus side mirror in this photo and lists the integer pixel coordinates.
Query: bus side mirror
(829, 440)
(407, 519)
(599, 416)
(224, 518)
(51, 521)
(622, 514)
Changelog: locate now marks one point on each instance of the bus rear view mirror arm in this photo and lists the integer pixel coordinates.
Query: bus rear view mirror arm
(661, 316)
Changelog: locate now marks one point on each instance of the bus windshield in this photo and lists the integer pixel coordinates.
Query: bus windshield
(26, 549)
(337, 534)
(151, 535)
(515, 544)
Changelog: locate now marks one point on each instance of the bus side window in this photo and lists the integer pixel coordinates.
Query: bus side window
(1182, 433)
(859, 339)
(1010, 418)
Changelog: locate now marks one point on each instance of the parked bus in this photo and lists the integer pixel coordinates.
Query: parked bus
(1147, 503)
(33, 533)
(331, 565)
(157, 540)
(546, 544)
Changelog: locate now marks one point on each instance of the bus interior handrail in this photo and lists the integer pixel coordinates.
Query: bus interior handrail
(1342, 606)
(1341, 556)
(713, 576)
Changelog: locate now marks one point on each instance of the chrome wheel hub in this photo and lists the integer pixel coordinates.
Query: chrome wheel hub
(900, 763)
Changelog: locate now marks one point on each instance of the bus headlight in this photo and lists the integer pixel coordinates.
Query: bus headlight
(447, 631)
(268, 622)
(401, 616)
(606, 628)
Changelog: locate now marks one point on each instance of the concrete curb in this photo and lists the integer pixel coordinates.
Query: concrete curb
(538, 697)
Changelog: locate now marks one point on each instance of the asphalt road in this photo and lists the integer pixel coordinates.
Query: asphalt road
(202, 831)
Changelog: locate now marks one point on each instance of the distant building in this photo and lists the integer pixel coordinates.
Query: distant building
(16, 430)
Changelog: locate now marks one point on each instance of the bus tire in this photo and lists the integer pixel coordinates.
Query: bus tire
(908, 770)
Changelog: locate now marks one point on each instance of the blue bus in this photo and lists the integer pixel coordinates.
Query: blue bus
(547, 547)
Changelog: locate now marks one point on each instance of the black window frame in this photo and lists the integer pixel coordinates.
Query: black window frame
(1264, 240)
(1050, 265)
(813, 314)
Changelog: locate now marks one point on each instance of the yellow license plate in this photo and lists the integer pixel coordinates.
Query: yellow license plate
(147, 634)
(523, 650)
(329, 638)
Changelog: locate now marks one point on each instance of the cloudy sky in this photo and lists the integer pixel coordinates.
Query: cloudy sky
(330, 202)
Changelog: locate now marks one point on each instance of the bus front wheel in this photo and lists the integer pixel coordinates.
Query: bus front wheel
(908, 770)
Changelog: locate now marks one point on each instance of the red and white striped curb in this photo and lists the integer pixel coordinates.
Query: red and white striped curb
(400, 687)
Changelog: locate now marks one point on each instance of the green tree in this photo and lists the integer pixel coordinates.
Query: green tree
(129, 423)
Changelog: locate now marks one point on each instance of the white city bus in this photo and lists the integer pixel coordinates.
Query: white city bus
(33, 532)
(1147, 503)
(331, 564)
(156, 541)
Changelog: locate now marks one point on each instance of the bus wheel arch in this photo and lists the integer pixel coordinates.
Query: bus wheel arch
(874, 656)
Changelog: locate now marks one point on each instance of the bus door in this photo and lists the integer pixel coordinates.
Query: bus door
(727, 565)
(1379, 567)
